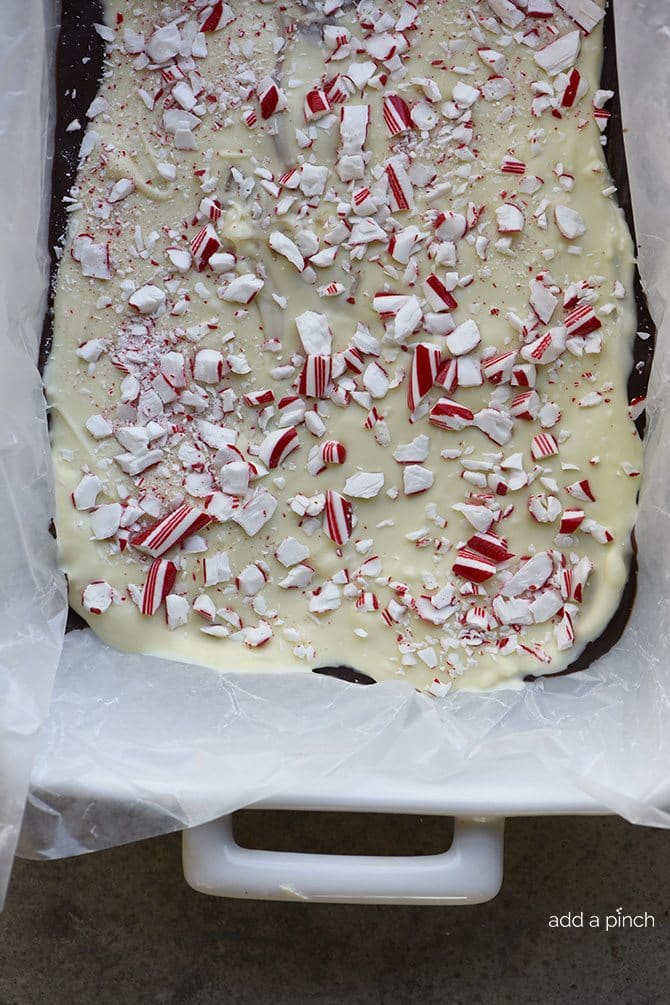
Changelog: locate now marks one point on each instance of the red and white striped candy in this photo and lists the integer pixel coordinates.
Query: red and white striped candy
(450, 226)
(290, 179)
(498, 369)
(473, 214)
(402, 244)
(564, 631)
(205, 244)
(585, 13)
(543, 445)
(159, 582)
(338, 517)
(448, 414)
(400, 186)
(490, 546)
(408, 17)
(397, 115)
(387, 305)
(332, 452)
(437, 295)
(170, 530)
(270, 98)
(581, 321)
(367, 601)
(334, 36)
(316, 104)
(210, 209)
(574, 580)
(447, 375)
(333, 289)
(362, 202)
(338, 89)
(277, 445)
(547, 348)
(315, 376)
(511, 165)
(220, 15)
(572, 89)
(570, 520)
(524, 375)
(320, 456)
(423, 371)
(602, 117)
(526, 405)
(473, 567)
(581, 490)
(256, 399)
(354, 360)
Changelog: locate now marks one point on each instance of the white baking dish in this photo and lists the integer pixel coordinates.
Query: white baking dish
(479, 797)
(592, 744)
(469, 872)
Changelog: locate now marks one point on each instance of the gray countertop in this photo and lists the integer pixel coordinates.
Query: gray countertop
(121, 926)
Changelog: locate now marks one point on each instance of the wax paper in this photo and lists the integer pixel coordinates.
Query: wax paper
(32, 592)
(136, 746)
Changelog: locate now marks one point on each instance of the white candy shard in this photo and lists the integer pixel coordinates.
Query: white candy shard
(97, 597)
(148, 299)
(176, 611)
(464, 338)
(532, 575)
(216, 568)
(560, 54)
(364, 484)
(416, 479)
(289, 250)
(569, 222)
(314, 333)
(290, 552)
(87, 491)
(105, 521)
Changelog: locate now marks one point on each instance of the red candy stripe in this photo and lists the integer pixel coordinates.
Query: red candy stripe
(205, 244)
(338, 521)
(397, 115)
(425, 364)
(158, 584)
(170, 530)
(315, 376)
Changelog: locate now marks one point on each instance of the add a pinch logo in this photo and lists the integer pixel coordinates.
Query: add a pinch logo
(617, 919)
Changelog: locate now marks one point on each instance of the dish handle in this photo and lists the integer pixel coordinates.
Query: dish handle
(469, 872)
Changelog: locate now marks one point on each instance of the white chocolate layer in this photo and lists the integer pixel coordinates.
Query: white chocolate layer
(132, 144)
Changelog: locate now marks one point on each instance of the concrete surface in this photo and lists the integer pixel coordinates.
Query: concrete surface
(121, 927)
